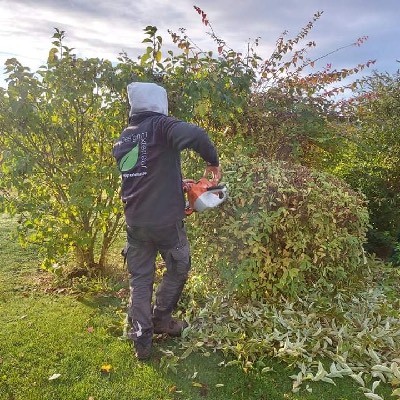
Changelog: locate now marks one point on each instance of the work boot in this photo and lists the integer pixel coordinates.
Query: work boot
(172, 327)
(142, 351)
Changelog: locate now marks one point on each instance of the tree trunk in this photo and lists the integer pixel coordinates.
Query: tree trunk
(85, 260)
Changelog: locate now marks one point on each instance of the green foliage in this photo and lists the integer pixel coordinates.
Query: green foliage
(371, 160)
(153, 55)
(285, 229)
(58, 125)
(277, 105)
(57, 129)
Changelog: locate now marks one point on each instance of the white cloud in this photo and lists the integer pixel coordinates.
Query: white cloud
(105, 28)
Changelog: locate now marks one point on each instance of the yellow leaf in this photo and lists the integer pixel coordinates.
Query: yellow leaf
(106, 368)
(52, 55)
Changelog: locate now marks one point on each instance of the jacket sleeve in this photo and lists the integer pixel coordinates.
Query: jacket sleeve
(182, 135)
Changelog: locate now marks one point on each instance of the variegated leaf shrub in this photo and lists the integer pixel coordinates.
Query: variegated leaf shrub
(280, 272)
(284, 230)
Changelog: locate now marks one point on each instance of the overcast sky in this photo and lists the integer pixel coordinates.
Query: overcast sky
(105, 28)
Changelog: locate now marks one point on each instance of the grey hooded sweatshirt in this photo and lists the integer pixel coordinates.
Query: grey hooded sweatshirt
(148, 157)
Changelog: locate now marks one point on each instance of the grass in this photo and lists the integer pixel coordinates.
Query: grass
(75, 335)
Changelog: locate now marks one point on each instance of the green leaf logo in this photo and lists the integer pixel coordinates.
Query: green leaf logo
(129, 160)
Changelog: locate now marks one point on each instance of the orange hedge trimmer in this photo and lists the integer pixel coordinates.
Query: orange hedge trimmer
(202, 195)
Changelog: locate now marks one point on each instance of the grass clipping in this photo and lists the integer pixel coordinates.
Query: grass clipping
(347, 334)
(296, 284)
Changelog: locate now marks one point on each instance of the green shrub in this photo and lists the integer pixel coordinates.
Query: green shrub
(284, 230)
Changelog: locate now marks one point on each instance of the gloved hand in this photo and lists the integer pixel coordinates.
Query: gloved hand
(215, 172)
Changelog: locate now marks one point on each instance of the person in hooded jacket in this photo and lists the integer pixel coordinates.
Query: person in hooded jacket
(148, 157)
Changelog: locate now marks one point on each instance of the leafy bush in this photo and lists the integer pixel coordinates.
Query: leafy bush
(284, 230)
(56, 133)
(370, 161)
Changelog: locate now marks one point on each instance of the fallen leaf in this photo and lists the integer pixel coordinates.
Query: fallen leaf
(373, 396)
(54, 376)
(90, 329)
(172, 389)
(106, 368)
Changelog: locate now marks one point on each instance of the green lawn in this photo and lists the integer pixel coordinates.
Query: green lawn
(43, 333)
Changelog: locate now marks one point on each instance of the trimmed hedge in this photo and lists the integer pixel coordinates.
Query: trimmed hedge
(284, 230)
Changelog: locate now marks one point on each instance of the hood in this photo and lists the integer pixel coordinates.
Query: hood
(145, 96)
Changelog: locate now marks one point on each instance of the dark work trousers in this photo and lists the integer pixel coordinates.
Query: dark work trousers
(143, 245)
